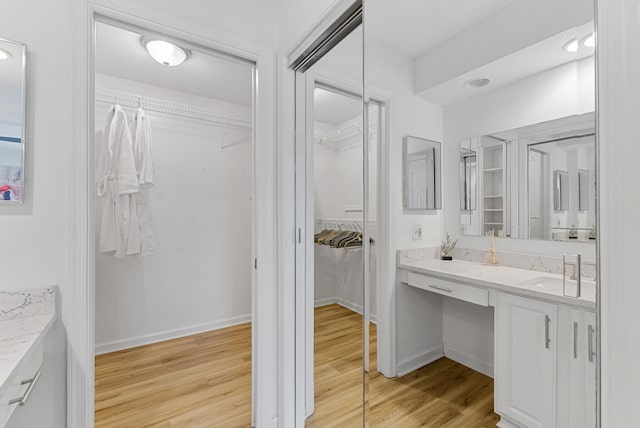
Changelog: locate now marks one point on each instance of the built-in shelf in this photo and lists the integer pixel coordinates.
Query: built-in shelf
(493, 170)
(493, 209)
(493, 224)
(493, 196)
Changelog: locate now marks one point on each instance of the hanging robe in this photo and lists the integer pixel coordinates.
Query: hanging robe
(145, 171)
(117, 183)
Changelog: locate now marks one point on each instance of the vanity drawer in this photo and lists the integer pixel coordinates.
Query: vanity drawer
(455, 290)
(27, 370)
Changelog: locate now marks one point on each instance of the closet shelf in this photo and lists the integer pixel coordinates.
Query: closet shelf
(127, 99)
(492, 196)
(494, 209)
(493, 170)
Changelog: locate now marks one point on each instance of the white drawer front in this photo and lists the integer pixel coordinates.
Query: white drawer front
(27, 370)
(467, 293)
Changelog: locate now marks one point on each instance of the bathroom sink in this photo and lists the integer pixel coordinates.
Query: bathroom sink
(544, 283)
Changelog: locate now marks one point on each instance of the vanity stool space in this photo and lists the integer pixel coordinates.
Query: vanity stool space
(25, 318)
(544, 342)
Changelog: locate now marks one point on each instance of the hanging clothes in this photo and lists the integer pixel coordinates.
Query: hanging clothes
(117, 183)
(145, 171)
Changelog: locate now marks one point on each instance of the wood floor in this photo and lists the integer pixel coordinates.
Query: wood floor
(442, 394)
(204, 381)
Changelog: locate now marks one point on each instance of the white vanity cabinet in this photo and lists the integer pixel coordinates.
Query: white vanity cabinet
(525, 365)
(581, 395)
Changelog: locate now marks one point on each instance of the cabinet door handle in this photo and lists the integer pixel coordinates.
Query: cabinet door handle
(446, 290)
(575, 340)
(547, 339)
(590, 351)
(25, 398)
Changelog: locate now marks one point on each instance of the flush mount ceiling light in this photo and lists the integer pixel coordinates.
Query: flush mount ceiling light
(571, 46)
(4, 54)
(589, 41)
(165, 53)
(477, 83)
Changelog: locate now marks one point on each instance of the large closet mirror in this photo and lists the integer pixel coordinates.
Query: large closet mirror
(496, 336)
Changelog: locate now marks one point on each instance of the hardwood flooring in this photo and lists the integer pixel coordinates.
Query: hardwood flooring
(199, 381)
(442, 394)
(204, 381)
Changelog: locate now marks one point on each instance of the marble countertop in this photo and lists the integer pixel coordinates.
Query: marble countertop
(541, 285)
(25, 317)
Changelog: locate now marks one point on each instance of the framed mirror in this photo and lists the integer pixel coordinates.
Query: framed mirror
(422, 174)
(12, 120)
(533, 182)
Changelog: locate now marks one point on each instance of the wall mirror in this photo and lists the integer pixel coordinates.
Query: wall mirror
(12, 120)
(422, 174)
(533, 182)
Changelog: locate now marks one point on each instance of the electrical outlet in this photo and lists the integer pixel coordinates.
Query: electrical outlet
(416, 232)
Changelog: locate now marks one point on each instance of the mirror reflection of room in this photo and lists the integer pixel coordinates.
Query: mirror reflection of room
(492, 319)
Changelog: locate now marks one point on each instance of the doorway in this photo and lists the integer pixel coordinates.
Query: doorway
(174, 309)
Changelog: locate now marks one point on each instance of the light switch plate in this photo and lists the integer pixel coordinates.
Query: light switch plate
(416, 232)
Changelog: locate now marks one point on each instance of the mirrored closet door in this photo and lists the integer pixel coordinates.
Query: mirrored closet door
(485, 300)
(333, 241)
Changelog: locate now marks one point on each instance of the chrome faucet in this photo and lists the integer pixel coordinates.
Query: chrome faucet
(575, 273)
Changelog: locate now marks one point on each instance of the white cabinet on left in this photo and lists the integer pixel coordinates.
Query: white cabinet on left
(525, 362)
(21, 385)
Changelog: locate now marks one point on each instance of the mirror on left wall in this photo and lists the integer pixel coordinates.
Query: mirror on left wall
(12, 120)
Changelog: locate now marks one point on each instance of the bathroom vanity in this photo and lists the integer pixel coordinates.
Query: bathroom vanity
(25, 318)
(544, 341)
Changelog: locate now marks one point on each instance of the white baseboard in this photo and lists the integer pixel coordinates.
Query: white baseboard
(355, 308)
(414, 363)
(326, 301)
(468, 361)
(147, 339)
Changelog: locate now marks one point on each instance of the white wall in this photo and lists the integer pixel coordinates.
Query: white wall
(34, 241)
(200, 277)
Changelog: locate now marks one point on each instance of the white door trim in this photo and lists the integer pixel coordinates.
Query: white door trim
(81, 327)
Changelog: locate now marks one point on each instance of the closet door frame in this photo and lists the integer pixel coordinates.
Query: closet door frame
(81, 299)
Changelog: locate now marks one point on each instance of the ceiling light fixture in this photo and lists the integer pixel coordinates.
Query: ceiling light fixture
(571, 46)
(166, 53)
(4, 55)
(589, 41)
(477, 83)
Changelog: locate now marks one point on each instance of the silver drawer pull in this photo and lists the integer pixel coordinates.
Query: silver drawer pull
(590, 351)
(547, 339)
(25, 398)
(575, 340)
(446, 290)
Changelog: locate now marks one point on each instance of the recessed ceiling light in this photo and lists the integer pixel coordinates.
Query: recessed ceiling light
(477, 83)
(571, 46)
(166, 53)
(4, 54)
(589, 41)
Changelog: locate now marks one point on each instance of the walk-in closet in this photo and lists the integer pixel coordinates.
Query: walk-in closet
(174, 216)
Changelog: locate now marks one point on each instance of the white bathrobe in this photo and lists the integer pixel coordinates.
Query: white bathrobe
(144, 168)
(117, 183)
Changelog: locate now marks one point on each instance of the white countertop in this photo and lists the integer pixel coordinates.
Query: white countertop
(541, 285)
(25, 318)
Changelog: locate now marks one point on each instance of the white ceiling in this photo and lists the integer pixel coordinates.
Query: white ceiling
(544, 55)
(415, 26)
(334, 109)
(119, 53)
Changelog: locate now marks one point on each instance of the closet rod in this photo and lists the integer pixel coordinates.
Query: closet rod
(127, 99)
